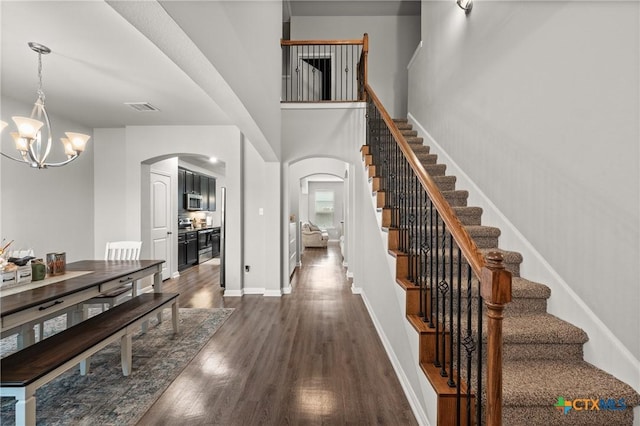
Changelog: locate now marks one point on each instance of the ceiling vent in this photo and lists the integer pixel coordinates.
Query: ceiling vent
(142, 106)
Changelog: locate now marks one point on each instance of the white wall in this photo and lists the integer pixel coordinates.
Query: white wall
(240, 39)
(322, 130)
(392, 41)
(538, 103)
(48, 210)
(118, 205)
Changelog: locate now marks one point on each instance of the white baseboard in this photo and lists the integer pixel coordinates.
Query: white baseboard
(287, 290)
(272, 293)
(233, 293)
(355, 289)
(176, 274)
(254, 290)
(603, 349)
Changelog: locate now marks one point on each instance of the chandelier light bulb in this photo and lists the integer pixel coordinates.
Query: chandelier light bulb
(22, 144)
(68, 147)
(27, 127)
(78, 141)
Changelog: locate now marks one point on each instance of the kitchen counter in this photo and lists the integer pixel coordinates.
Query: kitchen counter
(186, 230)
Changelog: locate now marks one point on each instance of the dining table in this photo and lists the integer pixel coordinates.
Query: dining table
(23, 306)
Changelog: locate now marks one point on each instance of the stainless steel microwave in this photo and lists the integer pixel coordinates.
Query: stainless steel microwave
(193, 201)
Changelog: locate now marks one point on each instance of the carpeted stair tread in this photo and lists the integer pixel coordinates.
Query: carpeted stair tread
(457, 197)
(469, 215)
(415, 141)
(408, 132)
(419, 148)
(540, 329)
(541, 382)
(522, 288)
(445, 183)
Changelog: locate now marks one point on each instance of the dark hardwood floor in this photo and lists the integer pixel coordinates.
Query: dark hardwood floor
(311, 357)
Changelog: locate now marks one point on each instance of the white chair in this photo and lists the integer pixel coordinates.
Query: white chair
(117, 250)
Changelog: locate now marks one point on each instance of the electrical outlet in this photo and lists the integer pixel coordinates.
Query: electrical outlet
(246, 268)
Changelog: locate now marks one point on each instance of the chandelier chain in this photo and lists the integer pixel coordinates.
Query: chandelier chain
(40, 91)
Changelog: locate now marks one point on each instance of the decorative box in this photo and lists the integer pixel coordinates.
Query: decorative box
(8, 279)
(23, 274)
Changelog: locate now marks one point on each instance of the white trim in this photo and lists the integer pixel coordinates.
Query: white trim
(355, 289)
(233, 293)
(323, 105)
(175, 275)
(603, 349)
(415, 55)
(350, 274)
(273, 293)
(414, 401)
(287, 290)
(254, 290)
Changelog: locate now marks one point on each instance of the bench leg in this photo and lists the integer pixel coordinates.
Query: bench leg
(125, 354)
(26, 411)
(84, 366)
(174, 316)
(27, 336)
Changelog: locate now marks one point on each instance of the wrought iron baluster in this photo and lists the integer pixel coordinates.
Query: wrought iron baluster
(452, 336)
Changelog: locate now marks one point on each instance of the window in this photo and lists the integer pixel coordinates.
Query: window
(324, 209)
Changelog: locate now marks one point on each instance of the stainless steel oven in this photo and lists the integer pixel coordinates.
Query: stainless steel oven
(205, 245)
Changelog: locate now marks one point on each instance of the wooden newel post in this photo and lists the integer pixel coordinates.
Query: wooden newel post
(495, 289)
(365, 71)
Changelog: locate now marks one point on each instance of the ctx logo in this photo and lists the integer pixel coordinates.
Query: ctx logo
(589, 404)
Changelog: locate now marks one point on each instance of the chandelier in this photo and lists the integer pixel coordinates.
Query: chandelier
(29, 139)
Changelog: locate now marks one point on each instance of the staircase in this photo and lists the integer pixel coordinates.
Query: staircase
(543, 364)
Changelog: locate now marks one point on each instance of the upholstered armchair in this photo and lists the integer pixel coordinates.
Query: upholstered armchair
(312, 236)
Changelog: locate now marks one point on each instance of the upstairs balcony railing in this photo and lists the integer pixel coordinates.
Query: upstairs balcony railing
(323, 70)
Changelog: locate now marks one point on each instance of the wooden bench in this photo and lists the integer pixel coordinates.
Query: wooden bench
(23, 372)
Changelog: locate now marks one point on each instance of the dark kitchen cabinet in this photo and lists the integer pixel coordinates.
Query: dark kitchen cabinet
(189, 182)
(181, 183)
(215, 241)
(212, 194)
(192, 248)
(196, 183)
(182, 252)
(187, 249)
(204, 191)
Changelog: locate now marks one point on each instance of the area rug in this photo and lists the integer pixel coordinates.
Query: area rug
(105, 396)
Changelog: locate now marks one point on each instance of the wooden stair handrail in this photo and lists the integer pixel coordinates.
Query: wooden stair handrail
(454, 226)
(311, 42)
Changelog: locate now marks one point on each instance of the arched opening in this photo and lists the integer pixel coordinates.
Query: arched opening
(164, 209)
(319, 193)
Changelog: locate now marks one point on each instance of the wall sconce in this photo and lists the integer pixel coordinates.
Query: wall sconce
(465, 5)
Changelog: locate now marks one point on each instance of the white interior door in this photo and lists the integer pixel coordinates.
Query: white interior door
(161, 246)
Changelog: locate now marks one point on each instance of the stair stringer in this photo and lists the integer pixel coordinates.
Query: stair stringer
(603, 349)
(374, 279)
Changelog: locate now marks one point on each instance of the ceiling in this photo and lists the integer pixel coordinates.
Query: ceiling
(98, 62)
(349, 8)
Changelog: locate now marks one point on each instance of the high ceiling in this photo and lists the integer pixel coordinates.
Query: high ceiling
(349, 8)
(98, 62)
